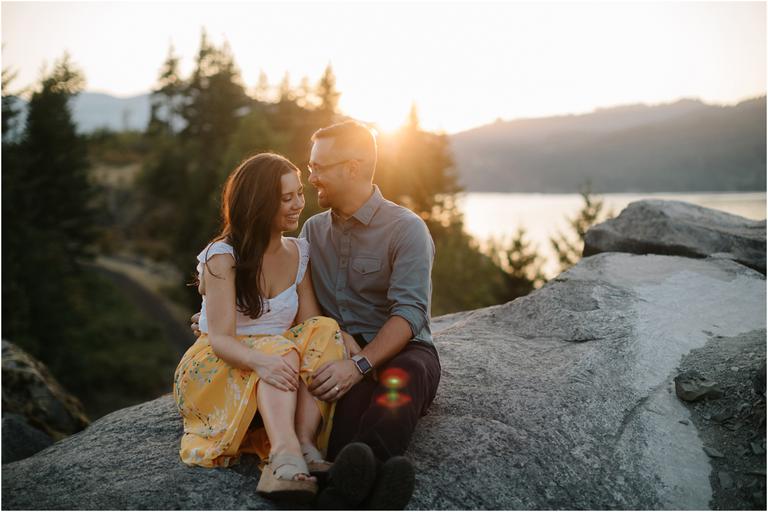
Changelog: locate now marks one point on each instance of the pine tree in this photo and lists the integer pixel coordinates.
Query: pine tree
(327, 96)
(263, 90)
(305, 96)
(60, 193)
(215, 100)
(285, 93)
(416, 169)
(569, 248)
(521, 263)
(48, 214)
(182, 178)
(10, 110)
(166, 99)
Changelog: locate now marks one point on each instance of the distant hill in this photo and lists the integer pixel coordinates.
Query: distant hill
(683, 146)
(92, 111)
(95, 110)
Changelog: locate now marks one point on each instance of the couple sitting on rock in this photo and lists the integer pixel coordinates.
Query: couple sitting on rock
(315, 352)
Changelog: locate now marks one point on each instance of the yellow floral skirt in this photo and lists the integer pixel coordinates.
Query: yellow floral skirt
(218, 402)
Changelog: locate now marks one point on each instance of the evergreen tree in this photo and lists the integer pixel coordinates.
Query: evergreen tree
(16, 301)
(10, 111)
(214, 101)
(48, 215)
(305, 96)
(463, 277)
(327, 97)
(166, 99)
(60, 194)
(182, 178)
(521, 263)
(569, 248)
(416, 169)
(285, 93)
(263, 90)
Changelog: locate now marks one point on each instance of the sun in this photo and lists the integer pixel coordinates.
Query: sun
(386, 115)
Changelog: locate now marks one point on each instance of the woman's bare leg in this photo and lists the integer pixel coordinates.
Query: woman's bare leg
(278, 409)
(308, 417)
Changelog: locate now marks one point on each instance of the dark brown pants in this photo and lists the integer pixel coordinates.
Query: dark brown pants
(382, 417)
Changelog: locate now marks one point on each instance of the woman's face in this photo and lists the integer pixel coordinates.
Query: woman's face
(291, 202)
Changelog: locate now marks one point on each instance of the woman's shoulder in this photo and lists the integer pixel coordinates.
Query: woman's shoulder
(303, 245)
(214, 248)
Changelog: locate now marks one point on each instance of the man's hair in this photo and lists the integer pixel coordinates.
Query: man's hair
(351, 137)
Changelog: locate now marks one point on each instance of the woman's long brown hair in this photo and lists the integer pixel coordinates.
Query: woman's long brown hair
(249, 203)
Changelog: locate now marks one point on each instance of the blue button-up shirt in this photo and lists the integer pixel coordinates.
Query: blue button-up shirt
(375, 264)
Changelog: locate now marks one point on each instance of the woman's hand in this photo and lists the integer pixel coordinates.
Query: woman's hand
(194, 324)
(277, 371)
(349, 342)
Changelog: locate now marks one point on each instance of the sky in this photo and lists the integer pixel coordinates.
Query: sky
(463, 64)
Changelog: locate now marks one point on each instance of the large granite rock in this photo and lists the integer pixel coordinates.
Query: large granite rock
(30, 390)
(561, 399)
(679, 228)
(20, 439)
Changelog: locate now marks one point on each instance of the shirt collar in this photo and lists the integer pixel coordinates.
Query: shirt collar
(365, 213)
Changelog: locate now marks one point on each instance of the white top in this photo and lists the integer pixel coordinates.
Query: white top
(280, 310)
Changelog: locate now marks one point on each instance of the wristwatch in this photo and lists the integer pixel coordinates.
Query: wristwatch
(363, 364)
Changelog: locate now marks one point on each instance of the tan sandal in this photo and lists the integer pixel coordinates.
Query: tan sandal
(278, 479)
(316, 464)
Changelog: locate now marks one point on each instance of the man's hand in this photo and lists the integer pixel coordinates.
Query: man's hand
(352, 347)
(277, 371)
(195, 324)
(334, 379)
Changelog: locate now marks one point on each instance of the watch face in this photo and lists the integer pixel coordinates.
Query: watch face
(363, 365)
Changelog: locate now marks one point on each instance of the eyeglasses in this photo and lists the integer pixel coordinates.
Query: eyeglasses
(317, 168)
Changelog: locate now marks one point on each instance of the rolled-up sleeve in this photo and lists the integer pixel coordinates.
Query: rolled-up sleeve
(410, 287)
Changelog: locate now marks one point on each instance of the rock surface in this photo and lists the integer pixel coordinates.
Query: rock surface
(560, 399)
(679, 228)
(20, 439)
(735, 422)
(31, 391)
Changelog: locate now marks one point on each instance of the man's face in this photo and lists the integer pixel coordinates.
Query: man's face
(328, 174)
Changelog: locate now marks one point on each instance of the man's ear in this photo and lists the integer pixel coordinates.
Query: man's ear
(354, 168)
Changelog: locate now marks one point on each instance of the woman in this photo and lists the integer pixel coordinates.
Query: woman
(256, 284)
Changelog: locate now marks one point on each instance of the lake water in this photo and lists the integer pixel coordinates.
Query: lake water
(489, 215)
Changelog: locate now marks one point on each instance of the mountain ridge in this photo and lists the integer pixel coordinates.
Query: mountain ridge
(687, 145)
(682, 146)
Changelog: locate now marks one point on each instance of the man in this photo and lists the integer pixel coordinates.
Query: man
(371, 263)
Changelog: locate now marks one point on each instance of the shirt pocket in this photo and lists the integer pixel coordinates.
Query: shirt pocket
(366, 265)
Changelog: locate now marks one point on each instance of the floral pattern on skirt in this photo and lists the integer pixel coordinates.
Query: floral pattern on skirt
(218, 402)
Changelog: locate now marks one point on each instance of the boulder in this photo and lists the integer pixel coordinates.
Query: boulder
(20, 439)
(31, 391)
(678, 228)
(561, 399)
(691, 387)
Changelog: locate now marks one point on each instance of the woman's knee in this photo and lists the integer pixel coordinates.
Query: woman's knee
(324, 322)
(292, 356)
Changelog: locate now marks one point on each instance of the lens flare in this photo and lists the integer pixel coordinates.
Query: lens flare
(394, 379)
